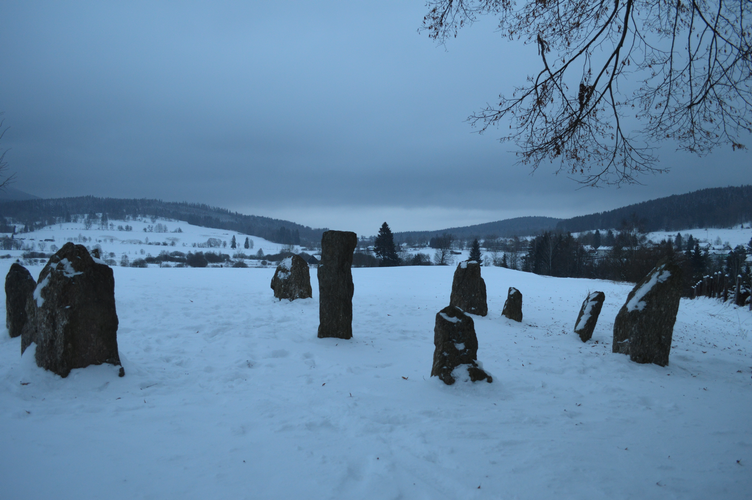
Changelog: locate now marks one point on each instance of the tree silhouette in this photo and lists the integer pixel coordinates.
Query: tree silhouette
(384, 247)
(691, 61)
(475, 251)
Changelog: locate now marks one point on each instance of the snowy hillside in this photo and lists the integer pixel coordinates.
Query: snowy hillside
(137, 239)
(228, 393)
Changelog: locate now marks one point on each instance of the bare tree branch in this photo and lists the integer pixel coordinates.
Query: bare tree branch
(690, 65)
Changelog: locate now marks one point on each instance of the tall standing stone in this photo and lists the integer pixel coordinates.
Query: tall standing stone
(469, 289)
(19, 287)
(292, 279)
(335, 284)
(75, 322)
(456, 345)
(513, 305)
(588, 317)
(644, 326)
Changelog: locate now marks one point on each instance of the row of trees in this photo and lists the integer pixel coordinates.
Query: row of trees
(630, 258)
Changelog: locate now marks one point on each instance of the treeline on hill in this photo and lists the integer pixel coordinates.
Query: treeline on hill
(38, 213)
(519, 226)
(628, 256)
(714, 207)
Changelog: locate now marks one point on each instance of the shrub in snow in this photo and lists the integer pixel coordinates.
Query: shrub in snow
(513, 305)
(75, 322)
(335, 284)
(644, 325)
(469, 289)
(456, 347)
(292, 279)
(19, 287)
(588, 317)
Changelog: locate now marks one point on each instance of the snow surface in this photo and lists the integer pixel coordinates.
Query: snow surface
(229, 393)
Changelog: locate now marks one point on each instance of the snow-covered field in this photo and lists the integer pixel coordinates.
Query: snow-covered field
(142, 240)
(228, 393)
(717, 238)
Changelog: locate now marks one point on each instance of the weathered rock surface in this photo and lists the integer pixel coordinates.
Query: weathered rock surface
(644, 326)
(75, 321)
(336, 286)
(292, 279)
(513, 305)
(456, 347)
(588, 317)
(19, 287)
(469, 289)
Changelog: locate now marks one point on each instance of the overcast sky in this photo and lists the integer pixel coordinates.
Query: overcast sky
(331, 114)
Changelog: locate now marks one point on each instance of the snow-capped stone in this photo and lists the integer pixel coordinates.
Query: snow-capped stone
(513, 305)
(292, 279)
(75, 322)
(469, 289)
(456, 347)
(588, 316)
(644, 325)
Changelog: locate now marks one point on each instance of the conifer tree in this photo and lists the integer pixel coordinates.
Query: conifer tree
(597, 239)
(233, 243)
(384, 247)
(475, 251)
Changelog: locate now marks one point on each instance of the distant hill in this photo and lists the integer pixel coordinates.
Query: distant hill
(714, 207)
(520, 226)
(13, 194)
(50, 211)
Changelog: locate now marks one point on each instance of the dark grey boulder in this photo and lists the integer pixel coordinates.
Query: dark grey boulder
(513, 305)
(19, 287)
(292, 279)
(75, 322)
(469, 289)
(336, 286)
(644, 326)
(588, 317)
(456, 347)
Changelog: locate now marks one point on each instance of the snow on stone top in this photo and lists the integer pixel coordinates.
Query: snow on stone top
(68, 270)
(38, 290)
(636, 303)
(286, 263)
(451, 320)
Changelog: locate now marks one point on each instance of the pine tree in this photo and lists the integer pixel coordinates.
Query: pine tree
(475, 251)
(233, 243)
(597, 239)
(384, 247)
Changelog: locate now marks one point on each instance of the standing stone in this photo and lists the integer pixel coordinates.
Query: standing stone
(292, 280)
(335, 284)
(469, 289)
(456, 346)
(588, 317)
(75, 322)
(645, 323)
(513, 305)
(19, 287)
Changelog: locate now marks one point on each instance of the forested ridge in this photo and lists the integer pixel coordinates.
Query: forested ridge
(713, 207)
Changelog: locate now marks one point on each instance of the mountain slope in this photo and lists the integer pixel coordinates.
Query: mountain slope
(714, 207)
